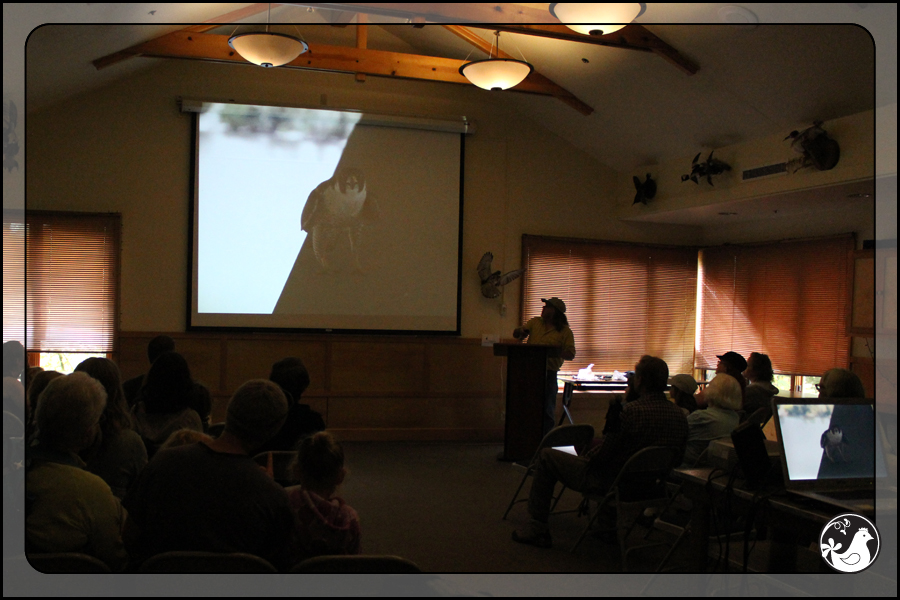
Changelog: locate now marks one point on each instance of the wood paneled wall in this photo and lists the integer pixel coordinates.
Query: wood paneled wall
(367, 388)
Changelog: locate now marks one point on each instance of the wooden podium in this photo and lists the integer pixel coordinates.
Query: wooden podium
(526, 373)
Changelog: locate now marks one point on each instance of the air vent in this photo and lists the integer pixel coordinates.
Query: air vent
(767, 171)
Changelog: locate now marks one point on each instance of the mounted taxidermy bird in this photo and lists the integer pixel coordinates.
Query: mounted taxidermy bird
(645, 190)
(491, 282)
(816, 147)
(338, 207)
(711, 166)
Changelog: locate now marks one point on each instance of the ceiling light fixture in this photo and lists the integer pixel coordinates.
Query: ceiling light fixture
(596, 19)
(496, 73)
(268, 49)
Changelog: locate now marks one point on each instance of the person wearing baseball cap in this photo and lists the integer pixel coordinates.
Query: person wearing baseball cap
(681, 390)
(730, 363)
(550, 329)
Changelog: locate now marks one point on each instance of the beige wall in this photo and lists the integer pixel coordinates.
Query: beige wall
(126, 148)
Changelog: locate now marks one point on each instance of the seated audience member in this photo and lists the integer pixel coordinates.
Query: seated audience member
(682, 392)
(840, 383)
(13, 359)
(325, 523)
(164, 404)
(30, 374)
(718, 420)
(212, 496)
(183, 437)
(119, 454)
(650, 420)
(69, 509)
(32, 394)
(614, 411)
(293, 378)
(201, 401)
(158, 345)
(730, 363)
(759, 391)
(848, 445)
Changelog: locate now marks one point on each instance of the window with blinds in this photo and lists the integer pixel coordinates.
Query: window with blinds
(622, 300)
(790, 300)
(71, 281)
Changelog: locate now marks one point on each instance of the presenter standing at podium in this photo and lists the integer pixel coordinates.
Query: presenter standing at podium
(550, 329)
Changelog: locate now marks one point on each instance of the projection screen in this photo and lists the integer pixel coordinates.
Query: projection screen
(325, 220)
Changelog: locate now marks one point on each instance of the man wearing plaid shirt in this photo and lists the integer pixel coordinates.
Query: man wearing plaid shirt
(651, 420)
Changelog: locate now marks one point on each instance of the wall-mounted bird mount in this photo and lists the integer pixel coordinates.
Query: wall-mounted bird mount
(711, 166)
(816, 148)
(491, 282)
(644, 191)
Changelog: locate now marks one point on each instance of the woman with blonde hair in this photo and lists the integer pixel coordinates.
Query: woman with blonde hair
(718, 420)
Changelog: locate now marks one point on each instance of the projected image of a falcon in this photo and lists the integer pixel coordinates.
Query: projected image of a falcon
(338, 209)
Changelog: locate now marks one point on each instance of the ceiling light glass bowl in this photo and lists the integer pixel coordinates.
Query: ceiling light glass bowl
(268, 49)
(597, 19)
(496, 73)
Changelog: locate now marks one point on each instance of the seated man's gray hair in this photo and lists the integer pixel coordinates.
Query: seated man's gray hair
(67, 408)
(256, 412)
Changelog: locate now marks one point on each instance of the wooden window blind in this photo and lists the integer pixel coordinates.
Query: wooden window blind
(622, 300)
(790, 300)
(72, 274)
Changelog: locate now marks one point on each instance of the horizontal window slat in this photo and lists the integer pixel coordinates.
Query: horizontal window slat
(67, 272)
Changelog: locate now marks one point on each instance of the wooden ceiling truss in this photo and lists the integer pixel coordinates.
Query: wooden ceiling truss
(195, 43)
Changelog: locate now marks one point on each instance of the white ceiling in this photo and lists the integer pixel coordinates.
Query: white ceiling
(753, 81)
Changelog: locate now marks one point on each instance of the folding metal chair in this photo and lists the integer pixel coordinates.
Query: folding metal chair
(578, 436)
(640, 484)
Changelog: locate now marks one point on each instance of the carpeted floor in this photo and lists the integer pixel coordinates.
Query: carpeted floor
(440, 505)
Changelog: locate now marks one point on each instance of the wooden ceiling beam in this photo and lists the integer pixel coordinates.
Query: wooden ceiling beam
(213, 47)
(215, 22)
(555, 90)
(631, 37)
(527, 19)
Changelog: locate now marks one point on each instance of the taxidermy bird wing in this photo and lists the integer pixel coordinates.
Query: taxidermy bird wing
(714, 166)
(507, 277)
(639, 196)
(484, 267)
(645, 190)
(696, 170)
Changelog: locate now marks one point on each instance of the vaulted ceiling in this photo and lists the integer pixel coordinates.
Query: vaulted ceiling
(646, 94)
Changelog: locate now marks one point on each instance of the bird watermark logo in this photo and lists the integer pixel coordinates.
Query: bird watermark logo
(849, 543)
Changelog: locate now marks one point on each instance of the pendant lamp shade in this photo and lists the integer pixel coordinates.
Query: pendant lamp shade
(496, 73)
(268, 49)
(597, 18)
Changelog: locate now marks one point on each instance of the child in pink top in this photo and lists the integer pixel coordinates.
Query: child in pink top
(325, 523)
